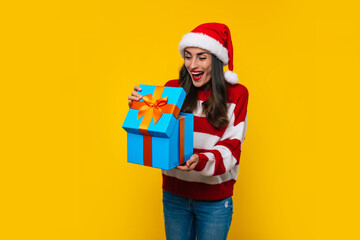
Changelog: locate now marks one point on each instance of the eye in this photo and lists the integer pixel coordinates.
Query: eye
(202, 58)
(187, 57)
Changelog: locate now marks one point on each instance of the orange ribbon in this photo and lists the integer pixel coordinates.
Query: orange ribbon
(152, 106)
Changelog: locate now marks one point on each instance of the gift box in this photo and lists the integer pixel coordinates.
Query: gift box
(158, 134)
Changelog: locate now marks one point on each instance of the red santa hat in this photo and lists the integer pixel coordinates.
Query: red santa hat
(216, 38)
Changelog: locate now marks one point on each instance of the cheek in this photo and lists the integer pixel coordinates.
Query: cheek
(208, 70)
(187, 61)
(187, 68)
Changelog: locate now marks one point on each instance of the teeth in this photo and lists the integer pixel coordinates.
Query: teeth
(198, 73)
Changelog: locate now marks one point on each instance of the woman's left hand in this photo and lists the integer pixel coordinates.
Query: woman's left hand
(190, 164)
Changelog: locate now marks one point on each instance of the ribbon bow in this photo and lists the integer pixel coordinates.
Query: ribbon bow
(152, 107)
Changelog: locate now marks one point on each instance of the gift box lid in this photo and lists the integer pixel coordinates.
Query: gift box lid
(164, 126)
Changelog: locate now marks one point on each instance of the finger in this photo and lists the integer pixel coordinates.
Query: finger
(191, 166)
(137, 88)
(136, 94)
(193, 159)
(133, 98)
(183, 168)
(190, 162)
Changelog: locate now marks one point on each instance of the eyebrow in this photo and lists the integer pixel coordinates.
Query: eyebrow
(201, 53)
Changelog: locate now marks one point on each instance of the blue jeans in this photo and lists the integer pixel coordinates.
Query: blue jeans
(186, 218)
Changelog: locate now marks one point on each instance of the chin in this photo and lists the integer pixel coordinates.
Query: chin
(199, 83)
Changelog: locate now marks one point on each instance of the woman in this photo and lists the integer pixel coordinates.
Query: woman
(197, 196)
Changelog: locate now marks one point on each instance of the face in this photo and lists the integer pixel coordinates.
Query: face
(198, 63)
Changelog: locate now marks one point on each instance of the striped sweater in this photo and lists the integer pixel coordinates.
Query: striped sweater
(218, 149)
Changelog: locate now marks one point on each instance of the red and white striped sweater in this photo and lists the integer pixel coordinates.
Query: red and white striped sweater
(219, 151)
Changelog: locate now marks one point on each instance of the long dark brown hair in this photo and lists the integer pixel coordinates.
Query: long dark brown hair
(214, 107)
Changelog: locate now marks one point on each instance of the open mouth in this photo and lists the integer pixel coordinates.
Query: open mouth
(197, 75)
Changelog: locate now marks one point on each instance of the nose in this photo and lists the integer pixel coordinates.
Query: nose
(194, 64)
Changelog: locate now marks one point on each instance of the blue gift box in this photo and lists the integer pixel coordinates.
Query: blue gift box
(164, 142)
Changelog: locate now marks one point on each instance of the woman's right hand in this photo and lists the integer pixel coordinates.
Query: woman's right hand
(135, 96)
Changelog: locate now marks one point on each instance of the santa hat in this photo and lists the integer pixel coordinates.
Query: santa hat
(216, 38)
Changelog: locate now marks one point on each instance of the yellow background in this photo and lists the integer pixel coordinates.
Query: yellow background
(67, 68)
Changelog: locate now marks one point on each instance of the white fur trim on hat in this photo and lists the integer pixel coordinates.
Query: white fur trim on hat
(205, 42)
(231, 77)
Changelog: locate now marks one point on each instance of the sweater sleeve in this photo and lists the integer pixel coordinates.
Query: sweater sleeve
(172, 83)
(226, 152)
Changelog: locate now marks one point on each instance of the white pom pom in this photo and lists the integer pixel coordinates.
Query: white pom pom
(231, 77)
